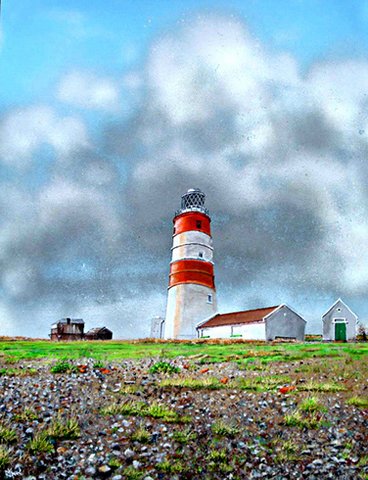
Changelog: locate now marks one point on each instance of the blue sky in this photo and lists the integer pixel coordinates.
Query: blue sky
(110, 110)
(42, 39)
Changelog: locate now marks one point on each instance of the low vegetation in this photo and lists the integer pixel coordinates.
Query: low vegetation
(213, 350)
(4, 459)
(7, 435)
(64, 429)
(312, 404)
(40, 443)
(297, 419)
(223, 429)
(63, 367)
(141, 409)
(361, 402)
(164, 367)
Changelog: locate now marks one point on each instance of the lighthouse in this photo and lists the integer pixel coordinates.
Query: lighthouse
(191, 291)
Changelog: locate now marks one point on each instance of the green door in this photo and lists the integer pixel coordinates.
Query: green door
(340, 332)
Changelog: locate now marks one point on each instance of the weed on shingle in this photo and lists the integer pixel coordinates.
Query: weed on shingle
(4, 459)
(7, 435)
(361, 402)
(296, 419)
(312, 404)
(164, 367)
(64, 430)
(154, 410)
(170, 467)
(208, 383)
(27, 415)
(40, 444)
(184, 436)
(222, 429)
(313, 386)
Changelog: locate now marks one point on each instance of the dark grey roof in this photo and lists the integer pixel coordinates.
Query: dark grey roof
(97, 330)
(72, 320)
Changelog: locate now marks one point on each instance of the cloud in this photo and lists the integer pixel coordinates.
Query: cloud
(280, 155)
(24, 131)
(88, 91)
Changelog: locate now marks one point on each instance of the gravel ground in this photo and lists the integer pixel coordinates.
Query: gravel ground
(224, 433)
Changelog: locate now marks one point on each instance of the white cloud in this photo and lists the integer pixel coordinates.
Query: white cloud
(89, 91)
(24, 131)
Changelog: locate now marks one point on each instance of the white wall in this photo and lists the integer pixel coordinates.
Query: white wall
(249, 331)
(187, 305)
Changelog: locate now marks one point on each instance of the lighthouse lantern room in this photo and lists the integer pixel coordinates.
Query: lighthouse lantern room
(191, 291)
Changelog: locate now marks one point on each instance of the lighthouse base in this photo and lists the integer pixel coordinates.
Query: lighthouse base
(187, 305)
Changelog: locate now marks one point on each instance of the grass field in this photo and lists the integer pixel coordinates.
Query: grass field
(12, 351)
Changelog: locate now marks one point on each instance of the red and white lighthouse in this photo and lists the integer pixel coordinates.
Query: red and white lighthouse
(191, 292)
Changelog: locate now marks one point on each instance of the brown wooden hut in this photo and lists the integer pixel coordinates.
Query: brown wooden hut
(68, 329)
(99, 333)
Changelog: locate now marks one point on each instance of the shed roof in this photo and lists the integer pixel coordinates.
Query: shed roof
(98, 330)
(235, 318)
(336, 303)
(72, 320)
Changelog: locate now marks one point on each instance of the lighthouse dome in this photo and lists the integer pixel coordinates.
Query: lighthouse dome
(193, 200)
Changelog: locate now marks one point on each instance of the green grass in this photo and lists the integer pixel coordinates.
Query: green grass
(184, 436)
(130, 473)
(312, 404)
(7, 435)
(4, 458)
(207, 383)
(64, 430)
(141, 435)
(164, 367)
(222, 429)
(313, 386)
(170, 467)
(40, 444)
(118, 350)
(296, 419)
(63, 367)
(361, 402)
(154, 410)
(27, 415)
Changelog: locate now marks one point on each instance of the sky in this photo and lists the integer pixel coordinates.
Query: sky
(110, 111)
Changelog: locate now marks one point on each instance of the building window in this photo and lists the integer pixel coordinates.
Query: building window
(174, 230)
(199, 224)
(200, 254)
(209, 298)
(338, 309)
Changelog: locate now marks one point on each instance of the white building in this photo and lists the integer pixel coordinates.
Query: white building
(260, 324)
(339, 322)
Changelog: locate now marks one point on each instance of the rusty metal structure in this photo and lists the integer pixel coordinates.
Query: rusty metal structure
(98, 333)
(67, 329)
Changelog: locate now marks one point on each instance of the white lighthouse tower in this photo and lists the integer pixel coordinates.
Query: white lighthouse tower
(191, 292)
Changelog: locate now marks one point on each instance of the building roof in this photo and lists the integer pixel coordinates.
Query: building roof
(72, 320)
(336, 303)
(235, 318)
(97, 330)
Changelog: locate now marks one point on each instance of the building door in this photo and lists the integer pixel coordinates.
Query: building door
(340, 332)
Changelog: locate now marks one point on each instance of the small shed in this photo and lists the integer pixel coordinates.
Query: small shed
(270, 323)
(339, 323)
(67, 329)
(99, 333)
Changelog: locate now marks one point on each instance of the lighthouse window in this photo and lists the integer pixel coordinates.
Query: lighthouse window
(199, 224)
(174, 229)
(209, 298)
(200, 254)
